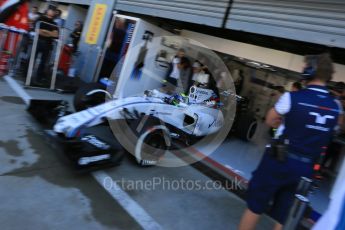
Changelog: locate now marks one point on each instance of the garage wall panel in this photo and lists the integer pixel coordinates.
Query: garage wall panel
(80, 2)
(268, 56)
(316, 21)
(205, 12)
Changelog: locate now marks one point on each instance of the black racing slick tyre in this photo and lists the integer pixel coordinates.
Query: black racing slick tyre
(151, 145)
(152, 140)
(90, 95)
(246, 127)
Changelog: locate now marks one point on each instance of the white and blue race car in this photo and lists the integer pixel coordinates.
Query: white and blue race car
(144, 125)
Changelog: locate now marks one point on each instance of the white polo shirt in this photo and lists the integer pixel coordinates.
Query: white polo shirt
(175, 73)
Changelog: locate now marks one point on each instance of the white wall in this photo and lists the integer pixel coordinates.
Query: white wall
(74, 13)
(64, 9)
(152, 76)
(268, 56)
(81, 2)
(42, 6)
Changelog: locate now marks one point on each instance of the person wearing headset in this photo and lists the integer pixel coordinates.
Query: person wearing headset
(310, 118)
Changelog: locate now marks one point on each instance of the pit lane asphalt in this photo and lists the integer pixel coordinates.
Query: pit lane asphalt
(38, 191)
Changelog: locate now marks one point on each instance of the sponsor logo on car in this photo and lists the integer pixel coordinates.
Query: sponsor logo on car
(95, 142)
(88, 160)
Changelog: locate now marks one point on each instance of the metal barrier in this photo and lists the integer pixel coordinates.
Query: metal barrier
(304, 186)
(32, 63)
(296, 213)
(11, 40)
(3, 35)
(22, 53)
(300, 204)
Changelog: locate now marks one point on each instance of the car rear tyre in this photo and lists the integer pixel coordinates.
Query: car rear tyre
(246, 128)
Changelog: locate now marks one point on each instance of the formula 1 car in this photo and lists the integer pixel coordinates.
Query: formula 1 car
(144, 125)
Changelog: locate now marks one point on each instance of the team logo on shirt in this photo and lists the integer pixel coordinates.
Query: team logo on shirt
(320, 120)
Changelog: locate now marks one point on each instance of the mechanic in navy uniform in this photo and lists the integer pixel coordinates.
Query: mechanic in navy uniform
(311, 117)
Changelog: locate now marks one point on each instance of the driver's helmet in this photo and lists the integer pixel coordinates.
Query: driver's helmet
(176, 99)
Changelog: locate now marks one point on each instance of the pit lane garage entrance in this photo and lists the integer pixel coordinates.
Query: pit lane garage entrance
(260, 82)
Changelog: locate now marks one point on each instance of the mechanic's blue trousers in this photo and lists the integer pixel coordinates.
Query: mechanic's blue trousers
(277, 181)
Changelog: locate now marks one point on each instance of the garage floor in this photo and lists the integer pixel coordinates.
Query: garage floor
(39, 191)
(243, 158)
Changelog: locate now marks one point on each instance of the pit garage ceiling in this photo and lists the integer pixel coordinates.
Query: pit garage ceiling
(203, 12)
(80, 2)
(315, 21)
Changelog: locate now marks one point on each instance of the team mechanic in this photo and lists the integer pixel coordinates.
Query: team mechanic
(310, 117)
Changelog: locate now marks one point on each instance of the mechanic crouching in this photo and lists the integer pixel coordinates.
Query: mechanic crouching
(311, 117)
